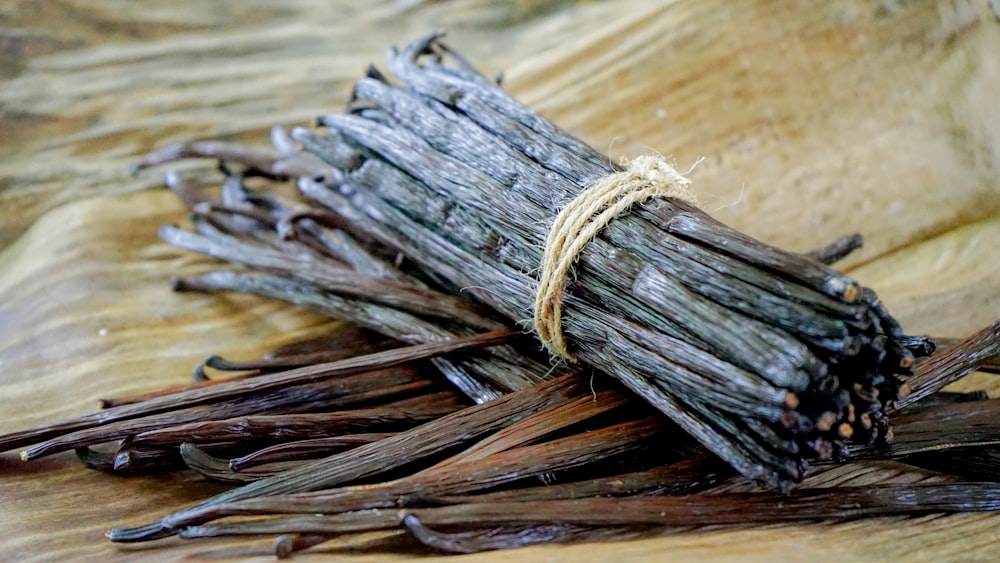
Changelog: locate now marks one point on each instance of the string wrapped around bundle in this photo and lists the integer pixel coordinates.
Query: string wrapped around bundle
(769, 358)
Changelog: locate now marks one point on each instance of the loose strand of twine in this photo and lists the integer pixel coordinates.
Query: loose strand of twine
(582, 219)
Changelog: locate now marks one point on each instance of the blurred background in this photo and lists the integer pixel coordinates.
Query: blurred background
(815, 119)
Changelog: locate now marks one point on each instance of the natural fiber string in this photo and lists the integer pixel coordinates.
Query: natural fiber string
(576, 225)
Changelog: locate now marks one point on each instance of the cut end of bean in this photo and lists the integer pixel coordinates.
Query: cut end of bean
(791, 400)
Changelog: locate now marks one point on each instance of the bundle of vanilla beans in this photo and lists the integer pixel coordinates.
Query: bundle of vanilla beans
(429, 202)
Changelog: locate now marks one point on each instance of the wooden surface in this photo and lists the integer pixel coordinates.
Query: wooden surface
(815, 119)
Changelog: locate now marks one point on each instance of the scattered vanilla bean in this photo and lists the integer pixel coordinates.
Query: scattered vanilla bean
(391, 416)
(305, 449)
(835, 503)
(987, 364)
(461, 477)
(837, 250)
(952, 364)
(232, 390)
(405, 447)
(944, 427)
(217, 469)
(975, 463)
(257, 162)
(290, 399)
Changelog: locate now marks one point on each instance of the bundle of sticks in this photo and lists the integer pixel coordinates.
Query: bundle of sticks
(430, 203)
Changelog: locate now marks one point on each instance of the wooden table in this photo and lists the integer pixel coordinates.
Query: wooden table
(815, 120)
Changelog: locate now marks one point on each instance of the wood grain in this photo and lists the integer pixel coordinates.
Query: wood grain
(815, 120)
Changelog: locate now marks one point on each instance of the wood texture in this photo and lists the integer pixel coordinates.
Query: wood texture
(816, 120)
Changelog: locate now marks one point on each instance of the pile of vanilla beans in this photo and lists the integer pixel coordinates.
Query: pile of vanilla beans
(709, 360)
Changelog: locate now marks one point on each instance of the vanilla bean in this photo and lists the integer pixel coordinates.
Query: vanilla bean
(257, 162)
(294, 361)
(977, 463)
(952, 364)
(258, 467)
(463, 476)
(340, 281)
(329, 527)
(947, 398)
(224, 390)
(923, 346)
(837, 250)
(803, 505)
(947, 426)
(200, 380)
(271, 225)
(185, 190)
(372, 394)
(305, 449)
(989, 364)
(689, 475)
(287, 399)
(509, 537)
(697, 227)
(286, 226)
(405, 447)
(392, 416)
(132, 461)
(615, 516)
(540, 424)
(217, 469)
(503, 369)
(95, 459)
(329, 348)
(358, 521)
(127, 460)
(286, 545)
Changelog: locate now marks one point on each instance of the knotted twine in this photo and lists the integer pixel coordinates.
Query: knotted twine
(582, 219)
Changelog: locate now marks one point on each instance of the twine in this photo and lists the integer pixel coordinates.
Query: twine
(576, 225)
